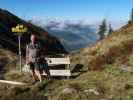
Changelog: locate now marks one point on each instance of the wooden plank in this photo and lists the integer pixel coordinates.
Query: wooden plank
(12, 82)
(58, 61)
(60, 73)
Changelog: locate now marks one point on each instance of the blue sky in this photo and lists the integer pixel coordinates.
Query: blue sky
(91, 10)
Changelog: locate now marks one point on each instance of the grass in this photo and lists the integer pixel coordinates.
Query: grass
(110, 83)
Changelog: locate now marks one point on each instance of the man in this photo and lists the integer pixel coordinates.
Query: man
(35, 59)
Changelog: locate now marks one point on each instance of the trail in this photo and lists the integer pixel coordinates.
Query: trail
(12, 82)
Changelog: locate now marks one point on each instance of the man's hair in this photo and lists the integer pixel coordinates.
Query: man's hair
(34, 35)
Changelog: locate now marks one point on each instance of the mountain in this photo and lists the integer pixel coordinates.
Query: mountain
(73, 35)
(8, 40)
(105, 73)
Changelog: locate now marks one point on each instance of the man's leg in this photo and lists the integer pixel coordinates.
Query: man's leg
(34, 75)
(46, 70)
(32, 67)
(38, 75)
(44, 73)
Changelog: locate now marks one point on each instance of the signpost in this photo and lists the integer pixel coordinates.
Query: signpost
(19, 29)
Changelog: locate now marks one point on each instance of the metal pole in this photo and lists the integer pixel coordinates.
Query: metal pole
(20, 58)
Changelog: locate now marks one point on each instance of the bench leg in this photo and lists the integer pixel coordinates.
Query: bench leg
(68, 67)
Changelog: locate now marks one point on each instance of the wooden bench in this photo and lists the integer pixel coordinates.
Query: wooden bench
(53, 62)
(59, 61)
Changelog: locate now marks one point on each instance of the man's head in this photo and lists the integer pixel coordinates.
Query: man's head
(33, 38)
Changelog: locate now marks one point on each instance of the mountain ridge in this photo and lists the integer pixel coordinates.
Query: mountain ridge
(73, 35)
(9, 40)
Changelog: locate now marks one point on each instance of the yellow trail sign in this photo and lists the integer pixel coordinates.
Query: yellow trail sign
(19, 29)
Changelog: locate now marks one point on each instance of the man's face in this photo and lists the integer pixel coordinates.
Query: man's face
(33, 38)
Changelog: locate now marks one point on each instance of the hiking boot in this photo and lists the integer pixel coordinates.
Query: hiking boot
(34, 82)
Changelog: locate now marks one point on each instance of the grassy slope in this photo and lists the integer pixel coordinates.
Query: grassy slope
(119, 44)
(7, 58)
(111, 78)
(110, 61)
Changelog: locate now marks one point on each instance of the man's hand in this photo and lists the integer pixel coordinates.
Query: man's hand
(28, 62)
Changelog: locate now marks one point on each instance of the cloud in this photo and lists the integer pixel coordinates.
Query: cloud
(74, 34)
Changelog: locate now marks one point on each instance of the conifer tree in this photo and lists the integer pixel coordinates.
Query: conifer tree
(102, 29)
(131, 19)
(110, 29)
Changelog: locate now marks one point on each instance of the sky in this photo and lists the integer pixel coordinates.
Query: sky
(89, 10)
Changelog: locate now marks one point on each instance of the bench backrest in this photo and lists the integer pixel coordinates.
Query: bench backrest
(56, 61)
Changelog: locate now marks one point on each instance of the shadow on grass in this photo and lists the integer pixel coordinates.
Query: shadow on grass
(77, 70)
(3, 63)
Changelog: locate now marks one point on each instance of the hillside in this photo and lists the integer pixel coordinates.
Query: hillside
(117, 46)
(106, 74)
(8, 40)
